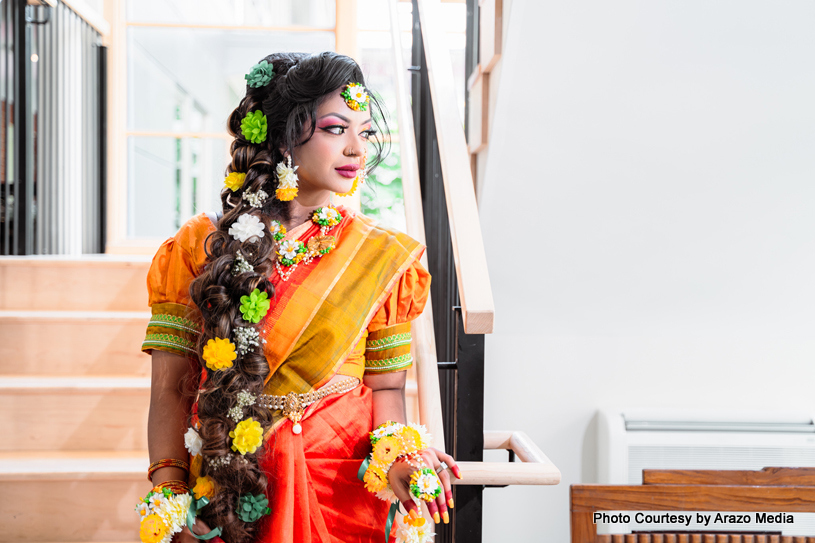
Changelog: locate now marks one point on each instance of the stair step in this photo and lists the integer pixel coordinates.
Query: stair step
(73, 413)
(81, 496)
(73, 342)
(92, 282)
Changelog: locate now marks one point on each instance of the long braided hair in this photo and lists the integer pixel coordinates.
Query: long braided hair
(289, 102)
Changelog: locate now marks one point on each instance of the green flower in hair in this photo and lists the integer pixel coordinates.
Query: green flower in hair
(253, 126)
(260, 75)
(251, 508)
(255, 306)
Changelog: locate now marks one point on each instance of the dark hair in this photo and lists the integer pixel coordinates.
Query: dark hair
(289, 102)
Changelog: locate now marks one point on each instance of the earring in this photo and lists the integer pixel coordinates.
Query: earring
(286, 181)
(362, 175)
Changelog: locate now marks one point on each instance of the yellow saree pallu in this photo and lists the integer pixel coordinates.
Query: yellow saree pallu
(319, 316)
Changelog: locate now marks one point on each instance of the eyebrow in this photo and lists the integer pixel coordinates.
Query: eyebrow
(343, 117)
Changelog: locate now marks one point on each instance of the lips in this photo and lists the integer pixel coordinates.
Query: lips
(349, 171)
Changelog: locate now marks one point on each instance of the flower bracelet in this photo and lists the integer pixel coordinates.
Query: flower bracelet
(393, 441)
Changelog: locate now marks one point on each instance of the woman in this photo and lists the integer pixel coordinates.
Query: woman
(291, 319)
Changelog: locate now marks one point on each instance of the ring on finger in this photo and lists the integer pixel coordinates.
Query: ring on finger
(443, 466)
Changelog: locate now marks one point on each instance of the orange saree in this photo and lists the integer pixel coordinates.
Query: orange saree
(347, 313)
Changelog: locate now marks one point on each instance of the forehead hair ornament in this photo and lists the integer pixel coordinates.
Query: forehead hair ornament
(356, 97)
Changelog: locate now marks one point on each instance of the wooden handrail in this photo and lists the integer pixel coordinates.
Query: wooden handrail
(424, 346)
(534, 467)
(475, 293)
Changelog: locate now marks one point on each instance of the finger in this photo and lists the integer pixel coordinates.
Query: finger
(412, 509)
(433, 509)
(446, 497)
(439, 501)
(451, 463)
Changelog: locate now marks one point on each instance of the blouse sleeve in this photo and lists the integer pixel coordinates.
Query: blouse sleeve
(173, 326)
(387, 347)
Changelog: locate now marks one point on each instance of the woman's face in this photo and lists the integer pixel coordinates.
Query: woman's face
(329, 160)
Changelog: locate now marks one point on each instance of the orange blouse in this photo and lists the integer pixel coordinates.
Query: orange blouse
(385, 344)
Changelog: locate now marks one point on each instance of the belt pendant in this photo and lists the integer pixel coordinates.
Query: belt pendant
(294, 411)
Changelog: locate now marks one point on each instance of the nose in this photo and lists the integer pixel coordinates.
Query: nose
(355, 147)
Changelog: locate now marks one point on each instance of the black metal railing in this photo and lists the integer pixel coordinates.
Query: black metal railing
(52, 133)
(461, 355)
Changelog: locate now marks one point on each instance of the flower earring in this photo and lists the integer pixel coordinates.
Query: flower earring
(362, 175)
(287, 181)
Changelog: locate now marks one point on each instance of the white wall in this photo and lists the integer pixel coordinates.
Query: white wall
(648, 216)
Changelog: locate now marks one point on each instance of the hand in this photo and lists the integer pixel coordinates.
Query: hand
(399, 478)
(184, 536)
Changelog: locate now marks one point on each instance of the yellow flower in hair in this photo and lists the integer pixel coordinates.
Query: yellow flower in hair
(204, 488)
(219, 354)
(375, 479)
(386, 450)
(153, 529)
(234, 181)
(247, 436)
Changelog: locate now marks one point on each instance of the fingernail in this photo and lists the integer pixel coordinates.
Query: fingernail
(459, 474)
(436, 518)
(450, 503)
(413, 514)
(446, 517)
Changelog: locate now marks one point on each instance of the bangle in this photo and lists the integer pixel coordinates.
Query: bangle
(166, 463)
(174, 486)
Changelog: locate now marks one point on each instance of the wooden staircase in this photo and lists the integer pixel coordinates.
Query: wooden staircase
(74, 393)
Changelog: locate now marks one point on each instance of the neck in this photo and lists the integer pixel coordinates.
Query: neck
(302, 208)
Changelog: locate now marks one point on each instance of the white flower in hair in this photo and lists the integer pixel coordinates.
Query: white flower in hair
(286, 176)
(246, 227)
(193, 442)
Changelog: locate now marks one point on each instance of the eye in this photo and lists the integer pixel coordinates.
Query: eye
(368, 134)
(336, 129)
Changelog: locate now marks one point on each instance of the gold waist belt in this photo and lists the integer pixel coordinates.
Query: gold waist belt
(294, 405)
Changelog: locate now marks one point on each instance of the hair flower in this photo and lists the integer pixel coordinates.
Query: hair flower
(247, 436)
(255, 199)
(253, 126)
(260, 75)
(246, 227)
(251, 508)
(356, 97)
(204, 488)
(193, 442)
(247, 337)
(255, 306)
(234, 180)
(219, 354)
